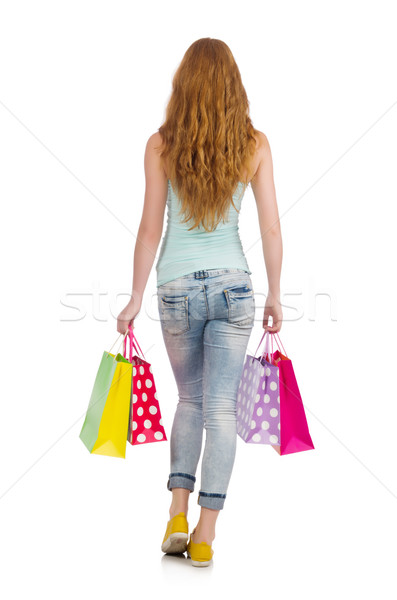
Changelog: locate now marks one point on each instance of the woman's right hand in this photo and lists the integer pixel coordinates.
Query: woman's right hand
(127, 316)
(273, 309)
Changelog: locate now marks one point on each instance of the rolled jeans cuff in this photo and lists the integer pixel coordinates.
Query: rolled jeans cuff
(181, 480)
(210, 500)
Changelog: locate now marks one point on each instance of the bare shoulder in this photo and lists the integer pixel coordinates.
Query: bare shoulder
(154, 147)
(262, 144)
(153, 159)
(263, 157)
(264, 140)
(154, 142)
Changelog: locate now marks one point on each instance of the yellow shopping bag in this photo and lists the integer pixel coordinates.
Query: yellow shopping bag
(113, 429)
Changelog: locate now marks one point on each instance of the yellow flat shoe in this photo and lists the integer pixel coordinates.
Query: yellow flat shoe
(201, 554)
(176, 535)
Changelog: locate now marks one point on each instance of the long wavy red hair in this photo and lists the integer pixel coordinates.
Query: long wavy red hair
(208, 139)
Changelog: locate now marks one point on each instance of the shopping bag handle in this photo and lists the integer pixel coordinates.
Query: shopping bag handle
(118, 348)
(266, 343)
(133, 343)
(267, 348)
(276, 334)
(264, 333)
(125, 345)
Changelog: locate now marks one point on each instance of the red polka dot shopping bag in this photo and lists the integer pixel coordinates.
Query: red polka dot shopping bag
(145, 422)
(269, 405)
(105, 426)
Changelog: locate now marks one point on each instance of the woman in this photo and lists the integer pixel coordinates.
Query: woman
(199, 164)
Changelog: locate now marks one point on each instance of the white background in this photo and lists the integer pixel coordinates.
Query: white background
(82, 87)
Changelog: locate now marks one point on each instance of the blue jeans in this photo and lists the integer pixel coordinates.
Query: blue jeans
(206, 320)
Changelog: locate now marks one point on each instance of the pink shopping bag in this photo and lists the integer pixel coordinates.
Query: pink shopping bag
(294, 430)
(145, 422)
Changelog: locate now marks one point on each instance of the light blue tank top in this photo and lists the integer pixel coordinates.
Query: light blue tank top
(183, 252)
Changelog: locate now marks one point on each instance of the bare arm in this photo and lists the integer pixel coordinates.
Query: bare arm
(269, 224)
(149, 232)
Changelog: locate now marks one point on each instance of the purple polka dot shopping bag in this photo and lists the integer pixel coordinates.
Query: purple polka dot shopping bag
(269, 405)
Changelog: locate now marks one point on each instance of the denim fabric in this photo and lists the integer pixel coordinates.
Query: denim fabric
(206, 320)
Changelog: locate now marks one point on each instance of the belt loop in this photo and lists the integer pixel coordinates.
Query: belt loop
(201, 274)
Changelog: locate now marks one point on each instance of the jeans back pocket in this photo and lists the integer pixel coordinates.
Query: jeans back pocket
(174, 313)
(241, 304)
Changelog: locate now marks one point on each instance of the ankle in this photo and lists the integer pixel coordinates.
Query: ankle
(201, 535)
(175, 510)
(179, 502)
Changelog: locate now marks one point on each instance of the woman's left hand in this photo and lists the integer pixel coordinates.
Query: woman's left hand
(127, 315)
